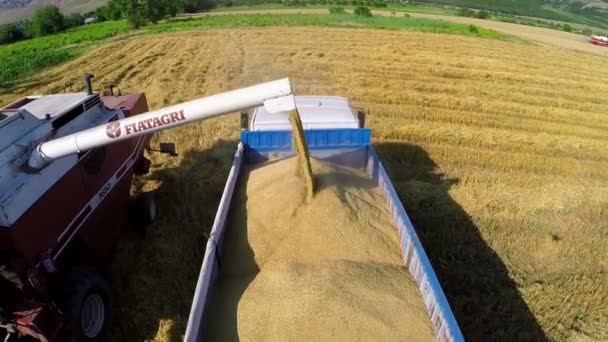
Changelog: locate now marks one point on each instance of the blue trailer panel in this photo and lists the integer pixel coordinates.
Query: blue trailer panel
(349, 147)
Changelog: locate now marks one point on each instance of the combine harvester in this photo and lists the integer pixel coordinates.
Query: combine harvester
(598, 40)
(66, 166)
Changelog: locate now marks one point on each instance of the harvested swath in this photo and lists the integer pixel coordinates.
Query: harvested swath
(329, 269)
(304, 168)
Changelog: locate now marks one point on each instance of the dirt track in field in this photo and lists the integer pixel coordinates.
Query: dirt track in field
(531, 33)
(498, 150)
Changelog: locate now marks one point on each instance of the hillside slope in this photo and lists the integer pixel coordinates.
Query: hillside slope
(590, 12)
(11, 10)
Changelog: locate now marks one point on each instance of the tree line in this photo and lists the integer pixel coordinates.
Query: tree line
(46, 20)
(142, 12)
(49, 19)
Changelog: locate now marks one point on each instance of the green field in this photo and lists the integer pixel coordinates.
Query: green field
(27, 57)
(341, 20)
(432, 9)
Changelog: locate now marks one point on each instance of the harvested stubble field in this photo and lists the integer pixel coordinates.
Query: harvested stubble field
(497, 149)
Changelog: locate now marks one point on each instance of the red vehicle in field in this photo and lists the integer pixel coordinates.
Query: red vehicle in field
(66, 165)
(599, 40)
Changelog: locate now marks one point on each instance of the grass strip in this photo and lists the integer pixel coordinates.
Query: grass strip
(334, 20)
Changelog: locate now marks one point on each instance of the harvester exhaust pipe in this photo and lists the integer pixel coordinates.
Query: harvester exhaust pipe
(87, 83)
(276, 96)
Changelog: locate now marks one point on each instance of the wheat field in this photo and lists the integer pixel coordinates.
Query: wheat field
(498, 151)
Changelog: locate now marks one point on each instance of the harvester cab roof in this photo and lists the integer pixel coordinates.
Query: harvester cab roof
(316, 112)
(32, 120)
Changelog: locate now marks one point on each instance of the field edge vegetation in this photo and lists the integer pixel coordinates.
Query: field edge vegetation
(25, 58)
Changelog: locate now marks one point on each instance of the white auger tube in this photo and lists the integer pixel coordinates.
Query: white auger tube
(276, 96)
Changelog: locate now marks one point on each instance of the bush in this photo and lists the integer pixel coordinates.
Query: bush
(155, 10)
(47, 20)
(10, 33)
(406, 15)
(136, 20)
(100, 14)
(587, 32)
(379, 4)
(24, 27)
(336, 10)
(111, 11)
(192, 6)
(473, 29)
(73, 20)
(140, 12)
(465, 12)
(567, 28)
(482, 15)
(362, 11)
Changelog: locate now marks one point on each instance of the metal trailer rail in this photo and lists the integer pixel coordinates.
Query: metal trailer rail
(351, 147)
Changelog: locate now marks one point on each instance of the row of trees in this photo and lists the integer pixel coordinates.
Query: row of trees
(46, 20)
(141, 12)
(49, 19)
(465, 12)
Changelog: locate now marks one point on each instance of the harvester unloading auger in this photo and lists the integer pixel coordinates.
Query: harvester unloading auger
(276, 96)
(66, 165)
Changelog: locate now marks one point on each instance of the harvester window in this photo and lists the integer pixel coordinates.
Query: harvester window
(67, 117)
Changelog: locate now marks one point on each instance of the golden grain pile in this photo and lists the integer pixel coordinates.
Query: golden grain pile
(328, 269)
(498, 150)
(299, 144)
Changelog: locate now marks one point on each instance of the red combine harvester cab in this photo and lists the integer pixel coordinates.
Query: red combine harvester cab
(66, 166)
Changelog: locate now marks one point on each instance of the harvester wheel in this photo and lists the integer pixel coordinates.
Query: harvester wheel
(87, 307)
(143, 210)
